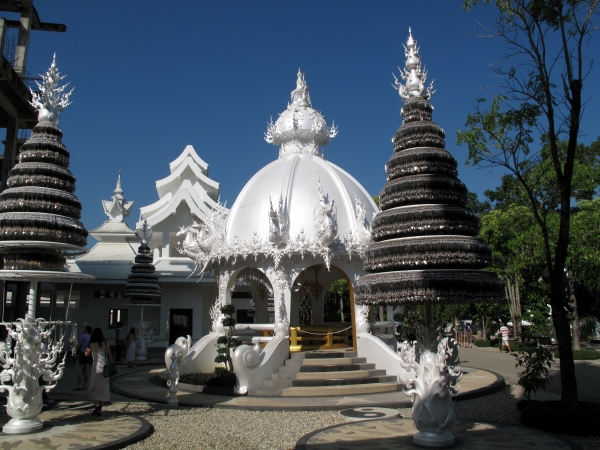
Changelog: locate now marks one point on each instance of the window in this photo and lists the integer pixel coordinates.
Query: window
(63, 296)
(108, 294)
(116, 315)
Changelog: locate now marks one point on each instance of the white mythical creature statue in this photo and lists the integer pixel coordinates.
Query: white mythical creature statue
(325, 219)
(202, 239)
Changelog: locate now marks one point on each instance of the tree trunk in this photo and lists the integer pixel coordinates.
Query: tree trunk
(573, 302)
(514, 303)
(560, 319)
(342, 308)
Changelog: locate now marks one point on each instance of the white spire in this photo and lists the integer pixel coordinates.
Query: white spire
(413, 74)
(300, 128)
(51, 99)
(117, 208)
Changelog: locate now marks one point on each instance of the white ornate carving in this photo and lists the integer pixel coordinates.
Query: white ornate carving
(282, 323)
(277, 223)
(35, 355)
(50, 99)
(300, 128)
(358, 241)
(432, 389)
(413, 74)
(325, 219)
(362, 321)
(144, 336)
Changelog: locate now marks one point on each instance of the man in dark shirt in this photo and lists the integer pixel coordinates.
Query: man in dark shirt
(83, 363)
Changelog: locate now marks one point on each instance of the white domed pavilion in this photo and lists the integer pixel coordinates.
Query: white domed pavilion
(300, 224)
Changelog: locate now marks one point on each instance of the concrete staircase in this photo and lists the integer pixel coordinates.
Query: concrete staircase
(326, 373)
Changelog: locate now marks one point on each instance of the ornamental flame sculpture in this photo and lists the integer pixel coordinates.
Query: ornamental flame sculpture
(425, 252)
(39, 219)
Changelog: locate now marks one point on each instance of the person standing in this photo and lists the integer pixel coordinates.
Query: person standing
(468, 335)
(131, 347)
(120, 332)
(99, 387)
(504, 331)
(83, 363)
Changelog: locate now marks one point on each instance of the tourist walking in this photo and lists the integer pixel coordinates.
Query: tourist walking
(504, 331)
(131, 347)
(82, 362)
(120, 333)
(99, 387)
(469, 335)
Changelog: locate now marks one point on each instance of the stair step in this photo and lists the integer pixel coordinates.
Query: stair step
(338, 374)
(320, 355)
(342, 381)
(279, 384)
(350, 389)
(337, 368)
(265, 392)
(332, 361)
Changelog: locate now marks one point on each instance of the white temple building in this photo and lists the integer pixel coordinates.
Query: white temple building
(185, 196)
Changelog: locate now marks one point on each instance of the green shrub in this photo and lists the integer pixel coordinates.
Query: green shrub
(582, 355)
(535, 375)
(482, 343)
(219, 379)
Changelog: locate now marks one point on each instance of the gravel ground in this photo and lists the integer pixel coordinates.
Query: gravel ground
(212, 428)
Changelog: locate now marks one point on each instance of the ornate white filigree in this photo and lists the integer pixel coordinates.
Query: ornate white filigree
(277, 223)
(413, 74)
(300, 128)
(432, 388)
(282, 323)
(358, 241)
(362, 321)
(35, 355)
(144, 336)
(50, 99)
(325, 220)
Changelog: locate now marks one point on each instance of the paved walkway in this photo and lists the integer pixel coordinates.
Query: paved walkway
(503, 363)
(69, 426)
(146, 386)
(397, 434)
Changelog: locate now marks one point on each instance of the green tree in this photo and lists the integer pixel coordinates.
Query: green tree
(542, 95)
(336, 305)
(226, 343)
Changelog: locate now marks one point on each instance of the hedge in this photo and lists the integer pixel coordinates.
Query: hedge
(582, 355)
(208, 379)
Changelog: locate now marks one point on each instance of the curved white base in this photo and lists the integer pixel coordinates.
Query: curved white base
(200, 358)
(379, 353)
(429, 439)
(253, 367)
(22, 426)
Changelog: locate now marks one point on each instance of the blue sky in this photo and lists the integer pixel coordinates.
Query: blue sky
(152, 76)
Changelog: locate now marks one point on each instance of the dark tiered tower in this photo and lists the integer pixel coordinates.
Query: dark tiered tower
(39, 214)
(425, 247)
(142, 285)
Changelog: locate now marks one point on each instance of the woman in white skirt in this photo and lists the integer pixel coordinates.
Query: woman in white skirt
(99, 388)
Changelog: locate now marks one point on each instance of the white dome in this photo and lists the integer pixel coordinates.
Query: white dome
(295, 178)
(301, 187)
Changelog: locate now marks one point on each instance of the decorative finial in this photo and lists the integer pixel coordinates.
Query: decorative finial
(300, 95)
(413, 74)
(51, 99)
(117, 208)
(144, 234)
